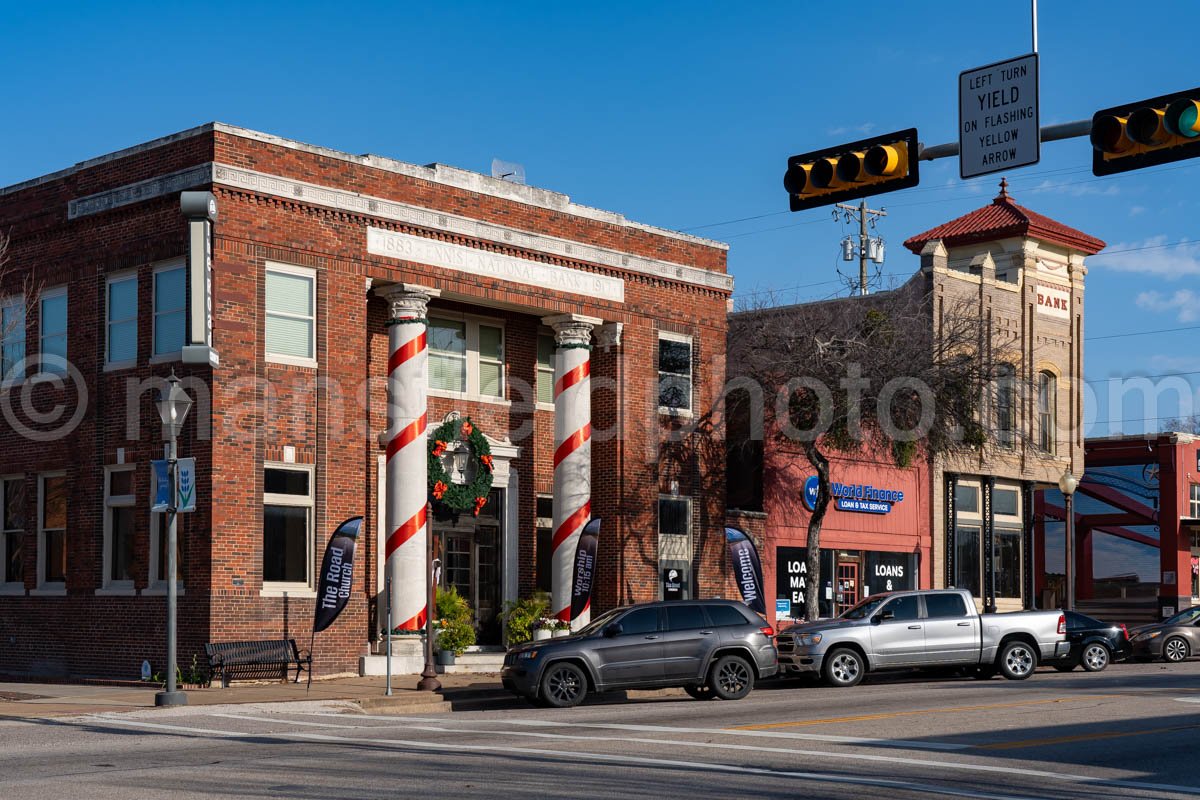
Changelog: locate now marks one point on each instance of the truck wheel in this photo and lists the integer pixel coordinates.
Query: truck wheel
(1017, 661)
(1095, 657)
(731, 678)
(844, 668)
(1175, 649)
(563, 685)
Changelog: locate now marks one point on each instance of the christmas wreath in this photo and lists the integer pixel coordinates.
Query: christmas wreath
(458, 497)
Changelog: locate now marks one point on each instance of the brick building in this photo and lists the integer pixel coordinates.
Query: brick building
(967, 518)
(357, 303)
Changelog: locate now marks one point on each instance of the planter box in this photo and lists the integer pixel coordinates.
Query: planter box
(540, 634)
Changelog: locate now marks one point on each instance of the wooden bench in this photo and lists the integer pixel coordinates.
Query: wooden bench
(256, 659)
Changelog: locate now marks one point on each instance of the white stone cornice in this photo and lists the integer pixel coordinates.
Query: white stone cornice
(367, 205)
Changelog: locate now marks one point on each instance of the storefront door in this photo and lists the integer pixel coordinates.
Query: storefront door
(470, 554)
(846, 587)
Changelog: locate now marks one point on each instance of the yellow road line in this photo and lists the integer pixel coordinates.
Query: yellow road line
(1082, 737)
(893, 714)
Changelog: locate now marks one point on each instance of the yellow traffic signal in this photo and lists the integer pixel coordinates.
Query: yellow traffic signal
(836, 174)
(1146, 133)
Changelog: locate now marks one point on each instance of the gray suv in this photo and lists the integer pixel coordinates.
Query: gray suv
(711, 648)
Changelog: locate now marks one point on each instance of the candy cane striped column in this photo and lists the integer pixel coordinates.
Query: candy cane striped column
(407, 468)
(572, 453)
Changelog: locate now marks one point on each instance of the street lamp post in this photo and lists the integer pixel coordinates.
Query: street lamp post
(173, 406)
(429, 681)
(1067, 485)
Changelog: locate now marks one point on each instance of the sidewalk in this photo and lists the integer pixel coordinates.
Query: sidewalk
(18, 700)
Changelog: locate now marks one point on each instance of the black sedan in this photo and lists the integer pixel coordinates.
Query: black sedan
(1093, 643)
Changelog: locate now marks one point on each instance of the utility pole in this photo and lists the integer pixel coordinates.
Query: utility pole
(862, 213)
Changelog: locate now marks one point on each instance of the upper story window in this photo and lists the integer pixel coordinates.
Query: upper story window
(674, 372)
(1195, 501)
(466, 356)
(545, 368)
(1047, 402)
(52, 317)
(291, 321)
(122, 312)
(170, 308)
(1006, 418)
(12, 338)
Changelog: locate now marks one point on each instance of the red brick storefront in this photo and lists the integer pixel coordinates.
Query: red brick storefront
(304, 422)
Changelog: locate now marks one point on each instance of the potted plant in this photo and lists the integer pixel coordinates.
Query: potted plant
(543, 628)
(561, 628)
(455, 628)
(521, 618)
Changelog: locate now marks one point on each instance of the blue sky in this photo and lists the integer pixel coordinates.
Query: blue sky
(675, 114)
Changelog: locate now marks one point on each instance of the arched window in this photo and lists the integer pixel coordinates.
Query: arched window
(1047, 410)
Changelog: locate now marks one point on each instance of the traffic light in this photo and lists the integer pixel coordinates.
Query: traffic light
(1146, 133)
(859, 169)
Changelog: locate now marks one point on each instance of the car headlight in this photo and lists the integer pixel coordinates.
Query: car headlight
(809, 639)
(527, 654)
(1142, 637)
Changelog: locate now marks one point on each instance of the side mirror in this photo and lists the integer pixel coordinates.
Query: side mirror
(612, 630)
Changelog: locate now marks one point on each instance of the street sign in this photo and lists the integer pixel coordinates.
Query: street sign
(998, 127)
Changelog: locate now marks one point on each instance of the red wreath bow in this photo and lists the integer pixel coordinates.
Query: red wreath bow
(439, 489)
(486, 460)
(439, 447)
(480, 502)
(467, 428)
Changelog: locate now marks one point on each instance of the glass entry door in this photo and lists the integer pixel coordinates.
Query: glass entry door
(469, 548)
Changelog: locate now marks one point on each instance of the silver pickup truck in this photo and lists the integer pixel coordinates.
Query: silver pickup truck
(905, 630)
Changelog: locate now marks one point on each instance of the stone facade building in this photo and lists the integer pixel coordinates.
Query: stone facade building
(356, 303)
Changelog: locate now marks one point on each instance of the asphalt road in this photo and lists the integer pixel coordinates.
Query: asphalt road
(1130, 732)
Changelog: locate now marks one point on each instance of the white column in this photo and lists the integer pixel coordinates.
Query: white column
(572, 453)
(407, 469)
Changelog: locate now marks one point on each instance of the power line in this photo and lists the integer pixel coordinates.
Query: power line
(1140, 333)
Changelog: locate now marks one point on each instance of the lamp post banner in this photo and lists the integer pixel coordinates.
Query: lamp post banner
(337, 574)
(585, 568)
(747, 569)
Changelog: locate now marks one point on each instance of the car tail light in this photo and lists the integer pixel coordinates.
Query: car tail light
(767, 631)
(1062, 623)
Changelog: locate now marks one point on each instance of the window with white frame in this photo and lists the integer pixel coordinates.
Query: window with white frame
(122, 304)
(968, 538)
(52, 319)
(466, 356)
(12, 338)
(12, 530)
(674, 372)
(545, 368)
(1047, 400)
(170, 308)
(1195, 501)
(1007, 529)
(287, 527)
(291, 315)
(52, 530)
(118, 527)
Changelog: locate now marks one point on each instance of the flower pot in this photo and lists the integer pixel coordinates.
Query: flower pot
(541, 633)
(560, 633)
(445, 658)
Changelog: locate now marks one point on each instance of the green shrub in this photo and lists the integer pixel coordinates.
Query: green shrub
(520, 616)
(451, 605)
(456, 635)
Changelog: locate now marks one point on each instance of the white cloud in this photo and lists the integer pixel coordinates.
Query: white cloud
(1153, 256)
(1164, 363)
(862, 130)
(1136, 210)
(1075, 189)
(1183, 302)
